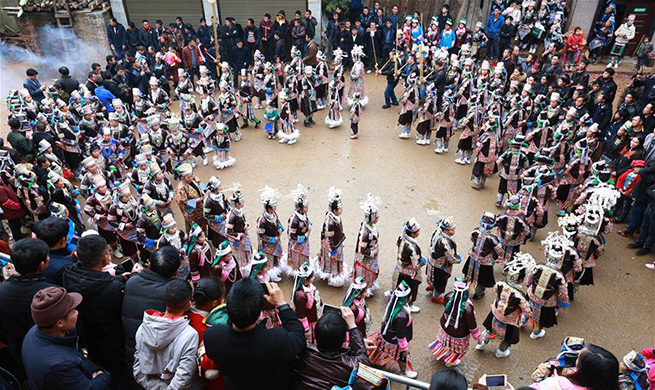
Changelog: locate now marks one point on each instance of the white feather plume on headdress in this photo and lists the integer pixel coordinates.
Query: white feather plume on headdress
(269, 196)
(605, 197)
(299, 195)
(569, 220)
(521, 261)
(556, 238)
(371, 204)
(357, 51)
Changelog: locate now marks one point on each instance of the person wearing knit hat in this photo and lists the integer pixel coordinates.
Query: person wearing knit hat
(457, 324)
(443, 255)
(50, 347)
(189, 195)
(287, 132)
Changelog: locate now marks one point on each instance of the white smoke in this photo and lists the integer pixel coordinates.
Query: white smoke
(15, 60)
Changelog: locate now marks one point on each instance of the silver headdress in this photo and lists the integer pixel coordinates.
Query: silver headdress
(269, 196)
(299, 195)
(370, 207)
(334, 198)
(237, 195)
(569, 224)
(555, 247)
(357, 52)
(521, 265)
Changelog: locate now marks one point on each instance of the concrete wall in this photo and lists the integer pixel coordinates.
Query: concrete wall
(118, 11)
(582, 15)
(92, 27)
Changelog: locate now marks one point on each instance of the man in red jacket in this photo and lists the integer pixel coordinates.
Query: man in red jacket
(192, 59)
(12, 209)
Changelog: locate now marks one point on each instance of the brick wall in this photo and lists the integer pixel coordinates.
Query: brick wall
(29, 25)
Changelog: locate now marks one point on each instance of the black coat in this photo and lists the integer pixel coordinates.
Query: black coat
(99, 322)
(15, 314)
(143, 291)
(271, 351)
(602, 114)
(69, 84)
(609, 87)
(640, 191)
(132, 38)
(117, 36)
(147, 38)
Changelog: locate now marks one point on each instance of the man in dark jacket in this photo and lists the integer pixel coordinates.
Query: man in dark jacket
(205, 33)
(68, 83)
(30, 257)
(241, 58)
(641, 200)
(146, 290)
(50, 351)
(132, 38)
(310, 24)
(147, 35)
(581, 75)
(117, 38)
(389, 70)
(602, 114)
(251, 36)
(243, 343)
(507, 33)
(326, 364)
(19, 141)
(609, 85)
(99, 323)
(311, 52)
(54, 232)
(33, 85)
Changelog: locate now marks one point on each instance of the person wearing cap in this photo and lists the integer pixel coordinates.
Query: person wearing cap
(622, 36)
(392, 342)
(33, 85)
(166, 343)
(30, 258)
(457, 325)
(327, 364)
(50, 351)
(189, 196)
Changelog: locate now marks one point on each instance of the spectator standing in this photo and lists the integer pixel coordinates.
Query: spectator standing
(245, 343)
(492, 31)
(147, 36)
(50, 351)
(30, 258)
(159, 32)
(146, 290)
(68, 83)
(327, 364)
(92, 82)
(192, 59)
(298, 35)
(167, 345)
(267, 45)
(311, 52)
(99, 321)
(355, 8)
(331, 30)
(12, 208)
(443, 17)
(33, 85)
(205, 33)
(117, 38)
(251, 36)
(624, 34)
(310, 24)
(240, 57)
(132, 37)
(54, 232)
(609, 85)
(506, 34)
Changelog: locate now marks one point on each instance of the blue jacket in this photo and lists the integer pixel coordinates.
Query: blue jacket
(105, 97)
(34, 88)
(493, 27)
(60, 259)
(55, 363)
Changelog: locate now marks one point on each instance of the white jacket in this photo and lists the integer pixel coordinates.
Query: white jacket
(625, 33)
(166, 353)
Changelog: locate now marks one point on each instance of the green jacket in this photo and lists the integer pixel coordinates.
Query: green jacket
(19, 142)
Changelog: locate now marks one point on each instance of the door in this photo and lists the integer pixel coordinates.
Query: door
(644, 12)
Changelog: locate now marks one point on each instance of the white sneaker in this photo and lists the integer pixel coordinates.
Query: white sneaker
(414, 309)
(207, 150)
(411, 374)
(419, 141)
(500, 354)
(460, 161)
(651, 266)
(445, 149)
(292, 141)
(204, 160)
(388, 293)
(283, 140)
(438, 150)
(237, 136)
(480, 347)
(538, 335)
(118, 253)
(403, 135)
(468, 160)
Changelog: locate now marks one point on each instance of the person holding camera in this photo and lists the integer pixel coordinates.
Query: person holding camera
(245, 346)
(327, 364)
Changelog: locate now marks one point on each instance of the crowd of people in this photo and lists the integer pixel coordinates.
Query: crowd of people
(109, 292)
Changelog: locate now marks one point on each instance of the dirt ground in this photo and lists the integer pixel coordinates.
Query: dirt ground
(413, 181)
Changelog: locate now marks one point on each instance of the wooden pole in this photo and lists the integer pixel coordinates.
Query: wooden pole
(215, 15)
